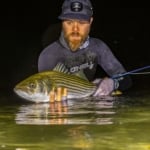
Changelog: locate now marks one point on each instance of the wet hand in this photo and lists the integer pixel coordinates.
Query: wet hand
(105, 87)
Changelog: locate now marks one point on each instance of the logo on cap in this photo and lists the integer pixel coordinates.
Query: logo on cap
(76, 6)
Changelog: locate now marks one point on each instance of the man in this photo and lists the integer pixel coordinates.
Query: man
(80, 52)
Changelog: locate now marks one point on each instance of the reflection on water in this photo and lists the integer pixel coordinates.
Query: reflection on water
(85, 111)
(110, 123)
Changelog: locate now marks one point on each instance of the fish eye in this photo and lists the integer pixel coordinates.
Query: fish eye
(32, 85)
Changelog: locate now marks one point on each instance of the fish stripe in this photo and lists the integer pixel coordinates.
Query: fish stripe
(72, 82)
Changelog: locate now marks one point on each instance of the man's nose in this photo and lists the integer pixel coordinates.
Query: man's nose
(75, 26)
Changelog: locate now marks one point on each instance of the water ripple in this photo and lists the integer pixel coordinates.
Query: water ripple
(83, 111)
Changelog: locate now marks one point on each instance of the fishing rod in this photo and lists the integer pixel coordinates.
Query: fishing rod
(132, 72)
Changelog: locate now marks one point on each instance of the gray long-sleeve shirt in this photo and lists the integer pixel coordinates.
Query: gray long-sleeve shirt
(93, 52)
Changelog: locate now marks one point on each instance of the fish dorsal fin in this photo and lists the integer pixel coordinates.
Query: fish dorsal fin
(60, 67)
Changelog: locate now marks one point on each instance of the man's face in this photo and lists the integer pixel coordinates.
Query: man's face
(76, 32)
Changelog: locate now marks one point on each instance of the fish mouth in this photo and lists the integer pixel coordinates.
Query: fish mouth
(16, 91)
(38, 98)
(20, 93)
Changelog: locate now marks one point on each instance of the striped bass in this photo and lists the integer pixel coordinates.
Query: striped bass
(36, 88)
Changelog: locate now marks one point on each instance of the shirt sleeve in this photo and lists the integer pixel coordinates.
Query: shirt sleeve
(49, 57)
(112, 66)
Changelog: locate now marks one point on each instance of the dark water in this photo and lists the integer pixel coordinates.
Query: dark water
(106, 123)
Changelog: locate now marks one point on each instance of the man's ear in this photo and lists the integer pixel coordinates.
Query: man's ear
(91, 20)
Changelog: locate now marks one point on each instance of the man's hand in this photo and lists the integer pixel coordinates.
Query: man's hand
(105, 87)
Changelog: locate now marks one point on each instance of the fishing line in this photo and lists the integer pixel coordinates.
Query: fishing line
(138, 73)
(133, 72)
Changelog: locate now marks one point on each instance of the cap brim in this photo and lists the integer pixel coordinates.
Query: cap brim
(74, 16)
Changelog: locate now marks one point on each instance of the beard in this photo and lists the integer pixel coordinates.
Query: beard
(74, 40)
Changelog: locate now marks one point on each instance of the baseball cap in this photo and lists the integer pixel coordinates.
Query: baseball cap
(76, 9)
